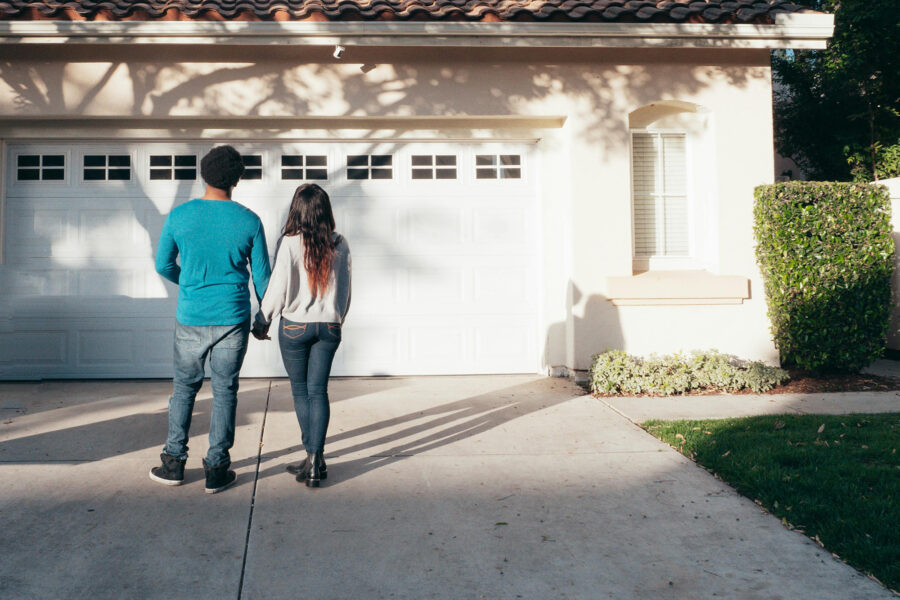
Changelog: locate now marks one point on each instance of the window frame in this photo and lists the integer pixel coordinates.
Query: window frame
(662, 262)
(304, 155)
(395, 174)
(89, 151)
(433, 167)
(13, 160)
(148, 155)
(498, 166)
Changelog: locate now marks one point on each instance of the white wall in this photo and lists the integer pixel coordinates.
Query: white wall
(578, 102)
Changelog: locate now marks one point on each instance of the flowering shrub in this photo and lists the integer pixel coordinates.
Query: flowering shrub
(615, 372)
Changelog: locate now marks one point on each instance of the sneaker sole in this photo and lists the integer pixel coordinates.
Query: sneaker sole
(165, 481)
(219, 489)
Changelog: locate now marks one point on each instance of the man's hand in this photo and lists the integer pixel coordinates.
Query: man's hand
(260, 332)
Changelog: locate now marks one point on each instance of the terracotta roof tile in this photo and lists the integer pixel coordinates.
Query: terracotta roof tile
(702, 11)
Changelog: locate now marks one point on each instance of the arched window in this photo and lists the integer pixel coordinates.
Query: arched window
(671, 187)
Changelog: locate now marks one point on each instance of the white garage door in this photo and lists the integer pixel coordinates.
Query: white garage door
(443, 236)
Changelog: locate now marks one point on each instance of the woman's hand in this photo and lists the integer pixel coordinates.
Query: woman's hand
(260, 332)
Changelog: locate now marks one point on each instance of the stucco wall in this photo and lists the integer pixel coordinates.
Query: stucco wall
(585, 167)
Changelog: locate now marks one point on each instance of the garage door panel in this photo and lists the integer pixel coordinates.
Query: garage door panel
(110, 346)
(504, 340)
(504, 286)
(35, 282)
(429, 226)
(445, 271)
(156, 348)
(26, 347)
(374, 287)
(438, 286)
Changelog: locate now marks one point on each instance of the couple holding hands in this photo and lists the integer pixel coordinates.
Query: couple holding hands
(309, 286)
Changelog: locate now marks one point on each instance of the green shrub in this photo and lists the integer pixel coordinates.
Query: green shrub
(615, 372)
(826, 254)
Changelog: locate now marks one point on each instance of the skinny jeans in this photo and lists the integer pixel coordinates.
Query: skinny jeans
(307, 350)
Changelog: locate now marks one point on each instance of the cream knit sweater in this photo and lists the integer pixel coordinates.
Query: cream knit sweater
(288, 293)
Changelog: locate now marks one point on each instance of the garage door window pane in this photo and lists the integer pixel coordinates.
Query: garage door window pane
(252, 166)
(370, 166)
(40, 167)
(107, 167)
(292, 167)
(424, 166)
(161, 167)
(502, 166)
(118, 160)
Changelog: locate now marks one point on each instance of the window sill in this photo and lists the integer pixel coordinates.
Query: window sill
(677, 288)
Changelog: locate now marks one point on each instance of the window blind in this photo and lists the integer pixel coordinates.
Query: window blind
(659, 194)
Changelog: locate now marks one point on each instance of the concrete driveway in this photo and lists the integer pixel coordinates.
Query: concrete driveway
(439, 487)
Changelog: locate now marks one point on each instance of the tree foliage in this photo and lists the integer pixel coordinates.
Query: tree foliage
(837, 111)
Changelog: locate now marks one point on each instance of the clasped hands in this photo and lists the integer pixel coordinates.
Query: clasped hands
(260, 331)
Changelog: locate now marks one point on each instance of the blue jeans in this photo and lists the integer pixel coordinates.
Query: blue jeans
(225, 345)
(307, 350)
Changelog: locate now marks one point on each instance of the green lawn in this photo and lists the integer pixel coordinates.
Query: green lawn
(837, 479)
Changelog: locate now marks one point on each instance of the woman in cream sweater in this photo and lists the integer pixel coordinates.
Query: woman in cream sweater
(310, 289)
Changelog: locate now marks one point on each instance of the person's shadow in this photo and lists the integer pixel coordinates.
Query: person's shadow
(429, 429)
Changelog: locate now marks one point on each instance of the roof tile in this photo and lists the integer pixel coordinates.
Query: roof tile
(710, 11)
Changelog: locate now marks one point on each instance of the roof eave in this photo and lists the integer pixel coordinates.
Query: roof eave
(790, 30)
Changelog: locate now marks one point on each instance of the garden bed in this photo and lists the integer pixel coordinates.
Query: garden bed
(801, 382)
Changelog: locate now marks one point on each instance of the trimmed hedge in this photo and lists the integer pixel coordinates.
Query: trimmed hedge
(826, 255)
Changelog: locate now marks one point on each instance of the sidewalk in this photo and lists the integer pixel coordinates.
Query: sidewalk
(440, 487)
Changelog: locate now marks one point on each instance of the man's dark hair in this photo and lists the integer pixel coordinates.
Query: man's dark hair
(222, 167)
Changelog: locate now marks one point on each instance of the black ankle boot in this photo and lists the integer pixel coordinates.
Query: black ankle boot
(316, 472)
(301, 469)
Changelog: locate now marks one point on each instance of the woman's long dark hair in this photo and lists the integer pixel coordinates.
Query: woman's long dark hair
(311, 217)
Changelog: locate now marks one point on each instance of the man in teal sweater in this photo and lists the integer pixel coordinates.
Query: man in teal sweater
(216, 239)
